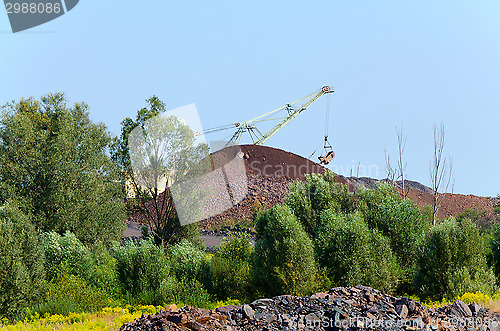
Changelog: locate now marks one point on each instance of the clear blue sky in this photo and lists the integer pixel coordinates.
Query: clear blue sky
(391, 62)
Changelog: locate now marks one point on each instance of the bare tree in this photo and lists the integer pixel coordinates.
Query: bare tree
(398, 173)
(391, 172)
(440, 171)
(401, 163)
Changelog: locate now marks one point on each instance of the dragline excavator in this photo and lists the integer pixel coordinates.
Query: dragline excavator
(289, 113)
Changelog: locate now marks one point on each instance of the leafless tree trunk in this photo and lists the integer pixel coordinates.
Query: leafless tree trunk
(399, 172)
(391, 172)
(440, 171)
(401, 163)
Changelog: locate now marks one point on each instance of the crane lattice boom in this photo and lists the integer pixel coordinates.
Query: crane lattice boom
(259, 138)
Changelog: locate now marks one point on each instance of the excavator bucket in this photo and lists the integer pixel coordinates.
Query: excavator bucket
(326, 158)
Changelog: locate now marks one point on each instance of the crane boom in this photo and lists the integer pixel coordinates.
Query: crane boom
(257, 137)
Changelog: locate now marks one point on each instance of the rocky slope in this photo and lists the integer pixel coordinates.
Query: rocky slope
(352, 308)
(269, 172)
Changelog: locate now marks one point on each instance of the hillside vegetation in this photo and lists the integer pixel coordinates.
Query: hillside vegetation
(62, 217)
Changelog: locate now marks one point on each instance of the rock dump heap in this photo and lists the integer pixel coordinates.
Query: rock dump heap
(351, 308)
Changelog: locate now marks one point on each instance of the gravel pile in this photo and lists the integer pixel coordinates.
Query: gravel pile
(351, 308)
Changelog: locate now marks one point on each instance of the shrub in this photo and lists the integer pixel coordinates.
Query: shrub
(189, 262)
(185, 291)
(141, 269)
(284, 255)
(21, 262)
(353, 254)
(309, 198)
(480, 218)
(451, 262)
(104, 273)
(94, 265)
(230, 266)
(68, 293)
(494, 246)
(399, 220)
(68, 250)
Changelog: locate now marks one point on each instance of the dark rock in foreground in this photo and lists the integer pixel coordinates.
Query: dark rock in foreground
(352, 308)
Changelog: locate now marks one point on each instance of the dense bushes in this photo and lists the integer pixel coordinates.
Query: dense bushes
(451, 261)
(150, 276)
(231, 277)
(66, 250)
(189, 262)
(309, 198)
(284, 254)
(353, 254)
(141, 270)
(371, 237)
(55, 161)
(21, 262)
(69, 293)
(399, 220)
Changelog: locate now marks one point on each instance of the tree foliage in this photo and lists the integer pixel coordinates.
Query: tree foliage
(400, 220)
(231, 269)
(451, 261)
(141, 268)
(152, 150)
(67, 250)
(21, 262)
(284, 254)
(54, 161)
(353, 254)
(309, 198)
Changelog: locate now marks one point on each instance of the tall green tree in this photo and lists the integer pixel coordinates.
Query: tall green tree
(21, 262)
(284, 254)
(151, 152)
(55, 161)
(353, 254)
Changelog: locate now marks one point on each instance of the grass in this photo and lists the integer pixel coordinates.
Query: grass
(112, 318)
(109, 319)
(477, 297)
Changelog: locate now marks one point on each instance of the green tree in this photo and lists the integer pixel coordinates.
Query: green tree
(55, 161)
(21, 262)
(284, 254)
(68, 250)
(309, 198)
(482, 219)
(452, 261)
(399, 220)
(353, 254)
(494, 244)
(230, 266)
(162, 148)
(141, 270)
